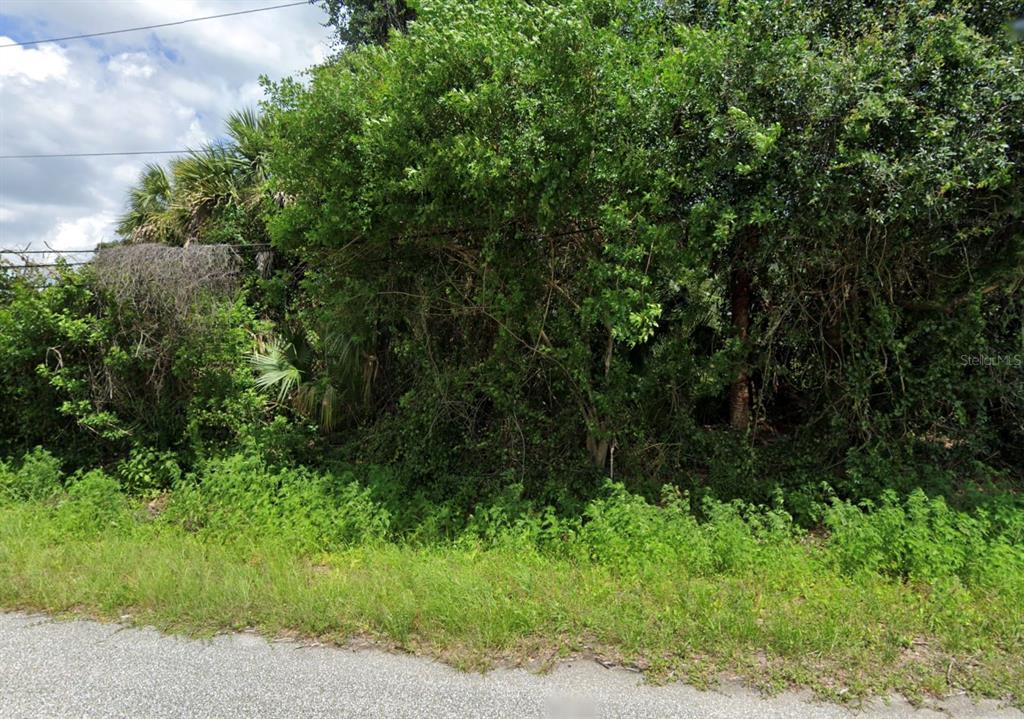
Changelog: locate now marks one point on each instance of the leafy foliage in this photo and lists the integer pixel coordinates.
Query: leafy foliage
(213, 194)
(94, 504)
(520, 248)
(547, 211)
(239, 495)
(89, 377)
(923, 539)
(146, 471)
(325, 378)
(363, 22)
(149, 217)
(37, 478)
(705, 319)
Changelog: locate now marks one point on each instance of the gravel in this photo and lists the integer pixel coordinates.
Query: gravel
(84, 669)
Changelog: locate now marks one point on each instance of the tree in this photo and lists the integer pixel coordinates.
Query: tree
(367, 22)
(212, 194)
(149, 217)
(602, 224)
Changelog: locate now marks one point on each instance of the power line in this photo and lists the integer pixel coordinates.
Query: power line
(92, 154)
(240, 245)
(34, 266)
(45, 252)
(152, 27)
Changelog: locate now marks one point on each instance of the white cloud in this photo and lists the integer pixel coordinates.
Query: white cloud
(32, 64)
(81, 232)
(153, 90)
(194, 136)
(130, 65)
(198, 92)
(251, 93)
(125, 172)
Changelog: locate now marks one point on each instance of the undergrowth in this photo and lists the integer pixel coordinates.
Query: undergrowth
(904, 594)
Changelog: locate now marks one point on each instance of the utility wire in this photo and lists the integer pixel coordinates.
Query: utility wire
(44, 252)
(34, 266)
(94, 249)
(152, 27)
(93, 154)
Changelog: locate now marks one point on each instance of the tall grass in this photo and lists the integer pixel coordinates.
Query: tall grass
(908, 595)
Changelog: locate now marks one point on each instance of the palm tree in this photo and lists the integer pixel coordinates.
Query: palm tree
(175, 207)
(149, 217)
(225, 174)
(322, 378)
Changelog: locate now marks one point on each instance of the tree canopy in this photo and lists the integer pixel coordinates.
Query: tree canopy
(740, 245)
(609, 224)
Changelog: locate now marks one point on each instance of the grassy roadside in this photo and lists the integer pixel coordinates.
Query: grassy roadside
(789, 618)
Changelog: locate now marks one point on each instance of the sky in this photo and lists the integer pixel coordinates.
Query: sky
(160, 89)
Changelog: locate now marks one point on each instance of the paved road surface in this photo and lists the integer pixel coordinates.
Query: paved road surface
(84, 669)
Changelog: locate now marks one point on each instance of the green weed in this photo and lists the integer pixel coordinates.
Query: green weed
(906, 595)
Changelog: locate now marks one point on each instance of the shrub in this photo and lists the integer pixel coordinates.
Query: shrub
(147, 471)
(94, 502)
(511, 522)
(858, 169)
(628, 533)
(38, 477)
(281, 441)
(922, 538)
(239, 495)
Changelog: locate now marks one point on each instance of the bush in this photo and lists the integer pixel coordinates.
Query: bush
(147, 471)
(792, 144)
(282, 442)
(94, 502)
(240, 495)
(626, 532)
(508, 521)
(922, 538)
(38, 477)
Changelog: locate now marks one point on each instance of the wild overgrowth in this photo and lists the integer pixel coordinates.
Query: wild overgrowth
(715, 246)
(528, 246)
(887, 598)
(241, 498)
(688, 331)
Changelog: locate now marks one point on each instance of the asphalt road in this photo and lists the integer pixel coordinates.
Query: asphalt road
(85, 669)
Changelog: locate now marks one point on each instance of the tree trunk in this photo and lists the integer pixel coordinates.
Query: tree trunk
(739, 392)
(598, 443)
(598, 451)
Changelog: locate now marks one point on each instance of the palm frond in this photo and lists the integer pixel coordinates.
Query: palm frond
(325, 375)
(167, 207)
(275, 369)
(328, 407)
(148, 217)
(248, 130)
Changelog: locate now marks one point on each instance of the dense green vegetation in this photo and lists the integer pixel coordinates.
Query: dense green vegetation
(691, 333)
(910, 595)
(736, 248)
